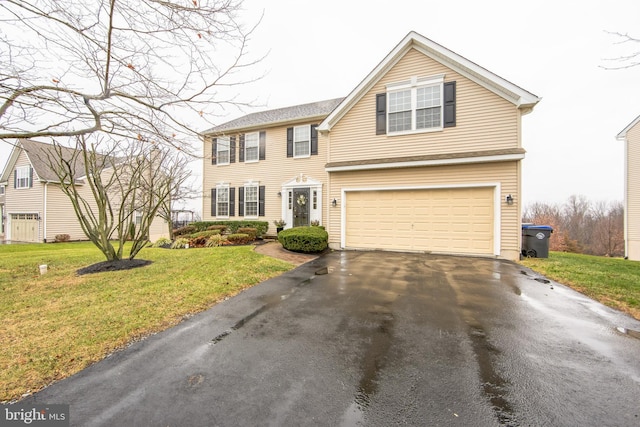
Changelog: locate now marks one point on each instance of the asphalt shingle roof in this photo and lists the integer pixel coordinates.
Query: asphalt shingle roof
(279, 115)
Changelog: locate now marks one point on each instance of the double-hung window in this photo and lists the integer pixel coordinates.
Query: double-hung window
(252, 147)
(301, 141)
(23, 177)
(251, 200)
(223, 150)
(222, 200)
(415, 105)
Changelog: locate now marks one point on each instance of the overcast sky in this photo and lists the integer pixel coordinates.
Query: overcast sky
(554, 49)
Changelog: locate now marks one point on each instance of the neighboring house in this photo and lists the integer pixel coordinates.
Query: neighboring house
(631, 137)
(35, 208)
(423, 155)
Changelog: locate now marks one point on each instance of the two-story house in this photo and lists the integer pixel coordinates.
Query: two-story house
(35, 209)
(630, 135)
(423, 155)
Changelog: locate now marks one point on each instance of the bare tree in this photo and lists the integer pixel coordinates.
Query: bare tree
(131, 69)
(632, 59)
(117, 192)
(608, 233)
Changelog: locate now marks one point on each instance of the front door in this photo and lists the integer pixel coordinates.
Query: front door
(300, 207)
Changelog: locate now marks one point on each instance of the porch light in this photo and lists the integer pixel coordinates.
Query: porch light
(334, 203)
(509, 199)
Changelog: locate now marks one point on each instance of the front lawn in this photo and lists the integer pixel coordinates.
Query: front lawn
(612, 281)
(59, 323)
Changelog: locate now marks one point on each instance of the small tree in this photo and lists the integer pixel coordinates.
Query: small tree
(117, 193)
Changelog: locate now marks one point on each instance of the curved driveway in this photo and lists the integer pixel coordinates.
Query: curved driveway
(380, 339)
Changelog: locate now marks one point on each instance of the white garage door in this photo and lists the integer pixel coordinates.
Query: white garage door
(24, 227)
(456, 220)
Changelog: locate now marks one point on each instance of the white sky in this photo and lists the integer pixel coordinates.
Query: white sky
(322, 49)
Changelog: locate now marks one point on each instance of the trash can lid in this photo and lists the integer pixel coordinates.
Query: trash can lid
(536, 227)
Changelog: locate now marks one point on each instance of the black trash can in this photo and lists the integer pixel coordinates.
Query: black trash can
(535, 240)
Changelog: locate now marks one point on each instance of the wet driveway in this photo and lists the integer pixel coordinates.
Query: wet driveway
(377, 339)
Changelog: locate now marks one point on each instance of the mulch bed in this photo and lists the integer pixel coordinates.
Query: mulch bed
(124, 264)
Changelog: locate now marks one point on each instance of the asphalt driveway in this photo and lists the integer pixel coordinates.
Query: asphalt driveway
(380, 339)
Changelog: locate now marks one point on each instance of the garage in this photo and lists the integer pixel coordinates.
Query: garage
(446, 220)
(24, 227)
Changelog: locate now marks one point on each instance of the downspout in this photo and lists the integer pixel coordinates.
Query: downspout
(44, 215)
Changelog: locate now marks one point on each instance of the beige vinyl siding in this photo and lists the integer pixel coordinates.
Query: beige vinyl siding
(633, 193)
(503, 173)
(272, 172)
(60, 216)
(23, 200)
(484, 120)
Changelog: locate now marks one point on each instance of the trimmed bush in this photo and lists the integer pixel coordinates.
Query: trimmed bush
(62, 238)
(232, 226)
(215, 241)
(198, 242)
(187, 229)
(207, 233)
(304, 239)
(252, 232)
(222, 228)
(239, 239)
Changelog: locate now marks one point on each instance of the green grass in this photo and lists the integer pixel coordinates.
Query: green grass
(612, 281)
(59, 323)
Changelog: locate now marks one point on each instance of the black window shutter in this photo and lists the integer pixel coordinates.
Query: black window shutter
(213, 202)
(381, 114)
(242, 148)
(261, 200)
(15, 178)
(289, 142)
(449, 104)
(232, 149)
(263, 145)
(214, 144)
(30, 177)
(232, 201)
(314, 140)
(240, 201)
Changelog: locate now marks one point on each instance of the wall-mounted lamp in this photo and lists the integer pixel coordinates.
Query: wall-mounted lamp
(279, 193)
(334, 203)
(509, 199)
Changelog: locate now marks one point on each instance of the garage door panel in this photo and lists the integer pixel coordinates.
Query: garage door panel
(441, 220)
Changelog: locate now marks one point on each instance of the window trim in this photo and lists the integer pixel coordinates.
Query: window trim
(218, 202)
(19, 178)
(308, 127)
(413, 85)
(256, 186)
(257, 147)
(220, 142)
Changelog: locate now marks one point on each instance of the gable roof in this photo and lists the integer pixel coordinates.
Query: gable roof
(315, 110)
(38, 154)
(623, 134)
(521, 98)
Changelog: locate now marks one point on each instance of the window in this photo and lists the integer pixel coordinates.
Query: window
(1, 190)
(251, 147)
(222, 201)
(416, 105)
(223, 150)
(301, 141)
(23, 177)
(251, 200)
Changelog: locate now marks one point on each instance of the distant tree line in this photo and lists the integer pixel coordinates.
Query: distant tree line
(581, 226)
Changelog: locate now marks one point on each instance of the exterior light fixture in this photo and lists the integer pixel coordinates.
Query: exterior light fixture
(509, 199)
(279, 193)
(334, 203)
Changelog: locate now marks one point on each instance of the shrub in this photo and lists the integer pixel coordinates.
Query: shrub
(187, 229)
(220, 227)
(315, 223)
(207, 233)
(239, 238)
(304, 239)
(161, 243)
(232, 226)
(215, 241)
(62, 238)
(198, 242)
(252, 232)
(179, 243)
